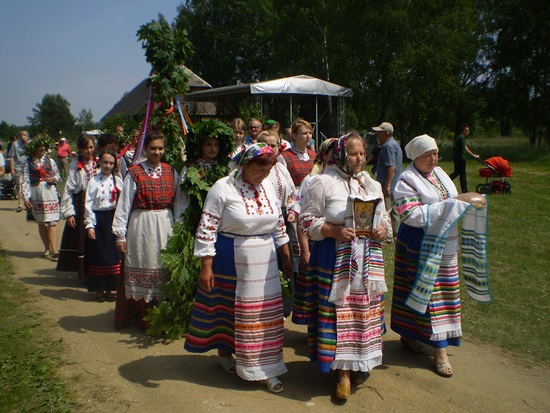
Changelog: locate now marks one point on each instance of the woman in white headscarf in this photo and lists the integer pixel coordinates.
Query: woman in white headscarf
(426, 291)
(345, 276)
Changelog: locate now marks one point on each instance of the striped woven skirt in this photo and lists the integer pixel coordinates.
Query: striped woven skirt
(104, 259)
(440, 325)
(347, 337)
(243, 313)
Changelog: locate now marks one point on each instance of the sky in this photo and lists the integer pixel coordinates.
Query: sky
(86, 51)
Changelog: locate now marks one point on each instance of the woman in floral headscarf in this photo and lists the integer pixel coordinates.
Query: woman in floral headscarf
(345, 276)
(238, 307)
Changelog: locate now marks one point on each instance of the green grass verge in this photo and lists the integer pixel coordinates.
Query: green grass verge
(518, 250)
(29, 357)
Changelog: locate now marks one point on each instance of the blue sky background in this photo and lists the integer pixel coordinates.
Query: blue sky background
(87, 51)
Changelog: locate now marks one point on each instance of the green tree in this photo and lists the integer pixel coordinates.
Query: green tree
(53, 116)
(416, 63)
(85, 120)
(7, 131)
(231, 39)
(519, 62)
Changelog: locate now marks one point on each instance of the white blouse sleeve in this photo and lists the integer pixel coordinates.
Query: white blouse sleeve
(411, 209)
(89, 215)
(55, 171)
(312, 206)
(207, 231)
(124, 208)
(67, 207)
(289, 191)
(280, 235)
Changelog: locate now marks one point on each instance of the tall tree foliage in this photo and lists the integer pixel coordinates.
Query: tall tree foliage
(85, 119)
(52, 116)
(519, 61)
(7, 131)
(232, 39)
(414, 66)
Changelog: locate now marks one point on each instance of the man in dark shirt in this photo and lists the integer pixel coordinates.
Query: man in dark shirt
(459, 157)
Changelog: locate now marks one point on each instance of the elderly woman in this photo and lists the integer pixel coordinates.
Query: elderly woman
(345, 277)
(238, 308)
(426, 295)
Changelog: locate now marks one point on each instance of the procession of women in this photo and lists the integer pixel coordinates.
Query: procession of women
(292, 229)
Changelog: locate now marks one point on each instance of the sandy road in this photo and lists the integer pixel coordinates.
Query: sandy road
(124, 371)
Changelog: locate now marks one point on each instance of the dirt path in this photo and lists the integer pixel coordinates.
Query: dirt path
(124, 371)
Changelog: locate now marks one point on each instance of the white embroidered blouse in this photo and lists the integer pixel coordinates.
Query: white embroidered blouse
(77, 181)
(282, 183)
(101, 195)
(235, 208)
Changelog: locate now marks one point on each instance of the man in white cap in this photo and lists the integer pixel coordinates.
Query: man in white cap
(389, 166)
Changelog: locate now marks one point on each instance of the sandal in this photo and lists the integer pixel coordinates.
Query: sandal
(228, 364)
(443, 368)
(273, 384)
(19, 209)
(414, 347)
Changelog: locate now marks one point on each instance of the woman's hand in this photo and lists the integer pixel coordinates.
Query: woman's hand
(477, 200)
(71, 222)
(304, 259)
(121, 246)
(91, 233)
(341, 233)
(291, 217)
(287, 268)
(28, 204)
(206, 279)
(379, 234)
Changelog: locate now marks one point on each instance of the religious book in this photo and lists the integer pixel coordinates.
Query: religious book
(363, 216)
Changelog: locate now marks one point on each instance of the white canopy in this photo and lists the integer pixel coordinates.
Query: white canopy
(284, 88)
(300, 85)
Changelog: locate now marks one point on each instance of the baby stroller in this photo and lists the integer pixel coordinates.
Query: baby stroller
(7, 184)
(495, 172)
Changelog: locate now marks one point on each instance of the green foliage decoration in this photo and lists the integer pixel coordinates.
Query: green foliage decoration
(172, 315)
(166, 49)
(40, 140)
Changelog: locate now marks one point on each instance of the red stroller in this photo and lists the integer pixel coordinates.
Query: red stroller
(496, 171)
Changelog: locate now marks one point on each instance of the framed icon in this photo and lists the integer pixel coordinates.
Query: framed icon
(363, 216)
